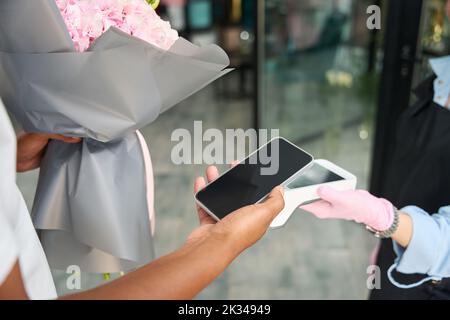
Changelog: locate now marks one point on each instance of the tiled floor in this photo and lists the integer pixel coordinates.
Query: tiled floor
(307, 259)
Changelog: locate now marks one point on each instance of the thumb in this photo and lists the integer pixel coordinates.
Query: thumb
(63, 138)
(274, 203)
(321, 209)
(330, 195)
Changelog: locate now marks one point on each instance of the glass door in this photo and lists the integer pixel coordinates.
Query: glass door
(434, 38)
(319, 67)
(318, 77)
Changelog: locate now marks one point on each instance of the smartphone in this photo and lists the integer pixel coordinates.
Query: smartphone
(253, 179)
(303, 189)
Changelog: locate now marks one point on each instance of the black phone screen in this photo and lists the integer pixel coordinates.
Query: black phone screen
(254, 178)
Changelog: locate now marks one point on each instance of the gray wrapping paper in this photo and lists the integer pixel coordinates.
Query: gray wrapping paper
(90, 206)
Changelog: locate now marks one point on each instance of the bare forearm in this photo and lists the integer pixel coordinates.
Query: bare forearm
(180, 275)
(404, 231)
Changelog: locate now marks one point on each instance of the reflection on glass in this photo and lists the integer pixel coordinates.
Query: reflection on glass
(436, 28)
(434, 38)
(316, 81)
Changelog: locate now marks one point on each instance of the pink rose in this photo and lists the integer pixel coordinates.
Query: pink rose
(86, 20)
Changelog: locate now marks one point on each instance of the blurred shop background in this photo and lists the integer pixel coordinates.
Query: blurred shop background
(312, 69)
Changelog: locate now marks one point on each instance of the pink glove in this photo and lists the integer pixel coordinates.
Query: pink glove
(359, 206)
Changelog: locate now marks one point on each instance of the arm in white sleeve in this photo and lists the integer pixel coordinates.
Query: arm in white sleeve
(8, 248)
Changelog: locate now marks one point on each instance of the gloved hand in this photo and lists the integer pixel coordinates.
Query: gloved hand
(359, 206)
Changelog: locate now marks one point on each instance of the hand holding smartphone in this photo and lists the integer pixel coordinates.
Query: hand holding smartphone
(250, 181)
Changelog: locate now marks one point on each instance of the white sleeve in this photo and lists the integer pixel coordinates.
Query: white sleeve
(8, 248)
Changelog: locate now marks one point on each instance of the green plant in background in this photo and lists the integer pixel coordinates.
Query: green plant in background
(153, 3)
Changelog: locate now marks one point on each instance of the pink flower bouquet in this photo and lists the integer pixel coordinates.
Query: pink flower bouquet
(86, 20)
(81, 68)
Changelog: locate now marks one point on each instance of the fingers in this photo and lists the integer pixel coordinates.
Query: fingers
(199, 184)
(212, 173)
(43, 137)
(28, 165)
(321, 209)
(234, 163)
(203, 217)
(330, 195)
(274, 203)
(63, 138)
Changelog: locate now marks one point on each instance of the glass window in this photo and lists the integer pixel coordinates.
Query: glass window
(317, 84)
